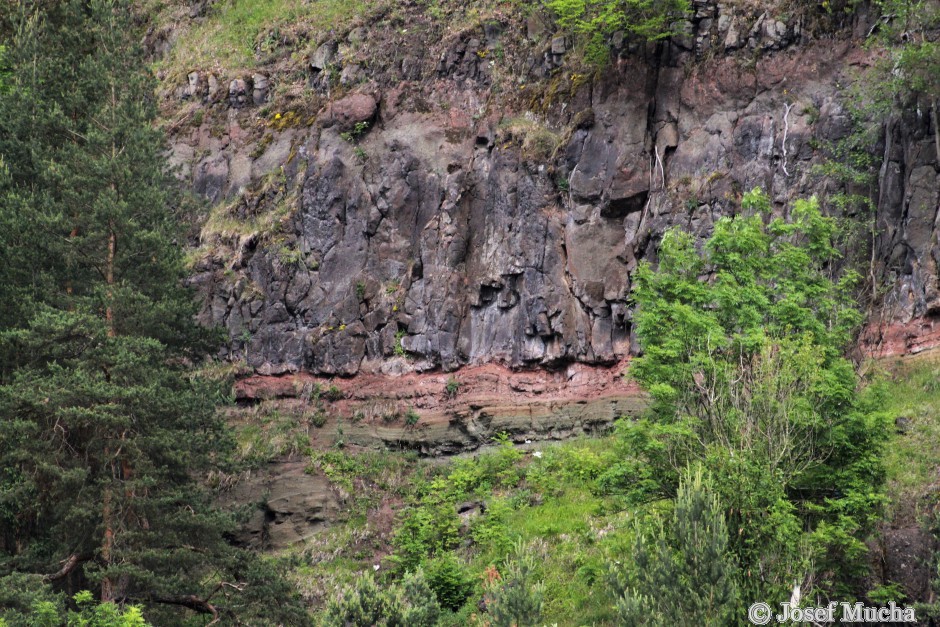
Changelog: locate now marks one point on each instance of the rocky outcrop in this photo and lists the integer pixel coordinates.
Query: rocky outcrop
(907, 252)
(436, 414)
(433, 201)
(468, 199)
(285, 504)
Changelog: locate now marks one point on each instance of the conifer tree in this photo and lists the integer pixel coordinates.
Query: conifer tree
(516, 598)
(103, 427)
(684, 574)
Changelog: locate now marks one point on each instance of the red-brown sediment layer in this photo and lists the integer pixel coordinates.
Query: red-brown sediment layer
(475, 383)
(373, 409)
(900, 338)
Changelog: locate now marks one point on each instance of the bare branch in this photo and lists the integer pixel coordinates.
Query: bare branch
(68, 565)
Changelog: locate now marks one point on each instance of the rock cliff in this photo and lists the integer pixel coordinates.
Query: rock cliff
(420, 196)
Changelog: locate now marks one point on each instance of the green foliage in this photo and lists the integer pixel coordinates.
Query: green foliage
(106, 425)
(425, 531)
(915, 53)
(452, 387)
(492, 531)
(449, 580)
(339, 467)
(516, 597)
(333, 393)
(432, 525)
(91, 614)
(412, 417)
(358, 130)
(686, 573)
(318, 419)
(399, 347)
(234, 35)
(26, 600)
(88, 614)
(366, 604)
(747, 376)
(911, 457)
(906, 76)
(289, 255)
(271, 433)
(593, 21)
(4, 71)
(882, 594)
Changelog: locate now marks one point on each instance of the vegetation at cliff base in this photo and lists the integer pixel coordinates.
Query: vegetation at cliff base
(748, 377)
(759, 467)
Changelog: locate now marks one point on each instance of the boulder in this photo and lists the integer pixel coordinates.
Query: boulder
(349, 111)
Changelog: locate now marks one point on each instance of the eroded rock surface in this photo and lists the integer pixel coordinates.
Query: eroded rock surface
(285, 504)
(464, 197)
(372, 410)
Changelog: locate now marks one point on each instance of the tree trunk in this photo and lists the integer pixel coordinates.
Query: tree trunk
(107, 546)
(109, 277)
(107, 513)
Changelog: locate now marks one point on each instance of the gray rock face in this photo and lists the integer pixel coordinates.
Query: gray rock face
(908, 252)
(442, 239)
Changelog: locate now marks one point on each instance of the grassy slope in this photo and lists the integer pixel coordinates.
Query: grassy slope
(236, 34)
(542, 502)
(546, 501)
(913, 456)
(238, 37)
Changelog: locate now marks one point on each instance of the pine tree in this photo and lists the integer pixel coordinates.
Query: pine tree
(103, 426)
(366, 604)
(684, 574)
(516, 598)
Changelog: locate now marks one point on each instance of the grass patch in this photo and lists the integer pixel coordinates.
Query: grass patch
(538, 142)
(912, 457)
(370, 477)
(265, 432)
(223, 224)
(235, 33)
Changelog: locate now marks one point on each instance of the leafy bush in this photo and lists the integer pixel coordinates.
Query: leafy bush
(747, 376)
(333, 393)
(45, 613)
(339, 467)
(908, 33)
(491, 530)
(432, 528)
(432, 525)
(593, 21)
(357, 131)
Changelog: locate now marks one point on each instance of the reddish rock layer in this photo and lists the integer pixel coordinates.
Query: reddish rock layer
(895, 339)
(373, 410)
